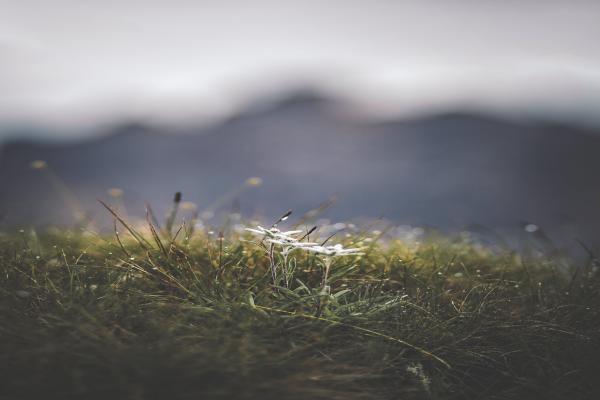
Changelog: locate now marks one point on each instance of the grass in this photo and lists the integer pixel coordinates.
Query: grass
(150, 314)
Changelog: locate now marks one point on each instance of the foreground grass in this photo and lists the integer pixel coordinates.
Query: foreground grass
(84, 316)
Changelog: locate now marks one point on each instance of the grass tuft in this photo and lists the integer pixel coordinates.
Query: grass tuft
(154, 314)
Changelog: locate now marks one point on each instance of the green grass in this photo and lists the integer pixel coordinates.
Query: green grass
(90, 316)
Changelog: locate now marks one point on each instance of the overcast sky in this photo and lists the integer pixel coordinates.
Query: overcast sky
(73, 64)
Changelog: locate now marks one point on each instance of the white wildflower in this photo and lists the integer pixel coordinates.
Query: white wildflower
(335, 250)
(287, 240)
(292, 242)
(274, 233)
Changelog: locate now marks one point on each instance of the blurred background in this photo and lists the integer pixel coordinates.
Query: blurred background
(461, 115)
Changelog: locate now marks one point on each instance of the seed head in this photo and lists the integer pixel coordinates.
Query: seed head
(283, 218)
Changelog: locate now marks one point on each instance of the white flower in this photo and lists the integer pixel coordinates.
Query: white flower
(335, 250)
(274, 233)
(288, 242)
(291, 242)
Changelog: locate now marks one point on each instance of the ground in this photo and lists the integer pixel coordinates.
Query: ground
(154, 314)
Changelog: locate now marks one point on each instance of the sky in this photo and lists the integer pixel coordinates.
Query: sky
(67, 66)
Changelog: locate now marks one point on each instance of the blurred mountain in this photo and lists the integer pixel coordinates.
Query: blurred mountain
(447, 170)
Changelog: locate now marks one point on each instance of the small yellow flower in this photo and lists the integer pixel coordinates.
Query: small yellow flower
(254, 181)
(115, 192)
(188, 206)
(39, 164)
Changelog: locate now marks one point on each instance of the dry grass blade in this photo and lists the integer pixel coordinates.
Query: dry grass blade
(119, 239)
(155, 235)
(152, 216)
(139, 238)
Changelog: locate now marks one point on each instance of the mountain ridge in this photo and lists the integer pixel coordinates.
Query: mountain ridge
(448, 171)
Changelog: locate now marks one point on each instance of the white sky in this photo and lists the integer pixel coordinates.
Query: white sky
(66, 64)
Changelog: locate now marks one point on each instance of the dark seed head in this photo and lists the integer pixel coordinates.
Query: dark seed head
(283, 218)
(314, 228)
(327, 240)
(177, 198)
